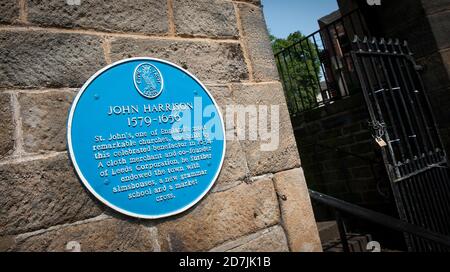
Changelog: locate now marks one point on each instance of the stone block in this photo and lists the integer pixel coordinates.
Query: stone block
(256, 38)
(440, 26)
(235, 165)
(225, 60)
(44, 120)
(296, 211)
(9, 11)
(42, 193)
(254, 2)
(105, 235)
(6, 126)
(221, 217)
(284, 155)
(434, 6)
(112, 15)
(223, 97)
(210, 18)
(269, 240)
(40, 59)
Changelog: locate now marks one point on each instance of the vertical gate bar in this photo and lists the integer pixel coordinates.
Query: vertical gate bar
(293, 78)
(396, 109)
(431, 219)
(402, 85)
(443, 178)
(290, 81)
(411, 241)
(423, 196)
(336, 59)
(422, 110)
(316, 73)
(426, 100)
(350, 41)
(361, 72)
(333, 77)
(433, 185)
(402, 101)
(442, 183)
(344, 63)
(421, 217)
(388, 109)
(307, 68)
(377, 105)
(425, 216)
(291, 99)
(283, 80)
(419, 120)
(438, 204)
(436, 181)
(297, 83)
(432, 204)
(443, 173)
(390, 168)
(342, 232)
(408, 201)
(327, 81)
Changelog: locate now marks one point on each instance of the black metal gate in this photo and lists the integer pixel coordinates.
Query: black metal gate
(404, 128)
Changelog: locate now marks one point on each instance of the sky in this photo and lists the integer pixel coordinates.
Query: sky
(286, 16)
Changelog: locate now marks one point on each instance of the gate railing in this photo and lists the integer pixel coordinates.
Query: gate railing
(318, 69)
(343, 209)
(398, 106)
(405, 129)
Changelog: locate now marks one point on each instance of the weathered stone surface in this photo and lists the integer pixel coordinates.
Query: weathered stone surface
(296, 211)
(222, 216)
(434, 6)
(209, 61)
(269, 240)
(254, 2)
(41, 193)
(283, 153)
(6, 242)
(440, 26)
(223, 97)
(235, 166)
(38, 59)
(9, 11)
(92, 236)
(44, 118)
(214, 18)
(112, 15)
(436, 75)
(6, 125)
(257, 41)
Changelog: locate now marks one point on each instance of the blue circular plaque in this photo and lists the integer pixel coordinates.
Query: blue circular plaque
(146, 138)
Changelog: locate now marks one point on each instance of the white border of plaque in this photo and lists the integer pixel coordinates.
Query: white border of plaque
(84, 180)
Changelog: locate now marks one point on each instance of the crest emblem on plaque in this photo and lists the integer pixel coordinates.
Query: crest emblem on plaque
(148, 80)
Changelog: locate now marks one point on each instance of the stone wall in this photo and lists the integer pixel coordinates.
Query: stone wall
(340, 157)
(49, 49)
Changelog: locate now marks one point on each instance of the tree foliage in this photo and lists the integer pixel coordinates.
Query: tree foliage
(300, 71)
